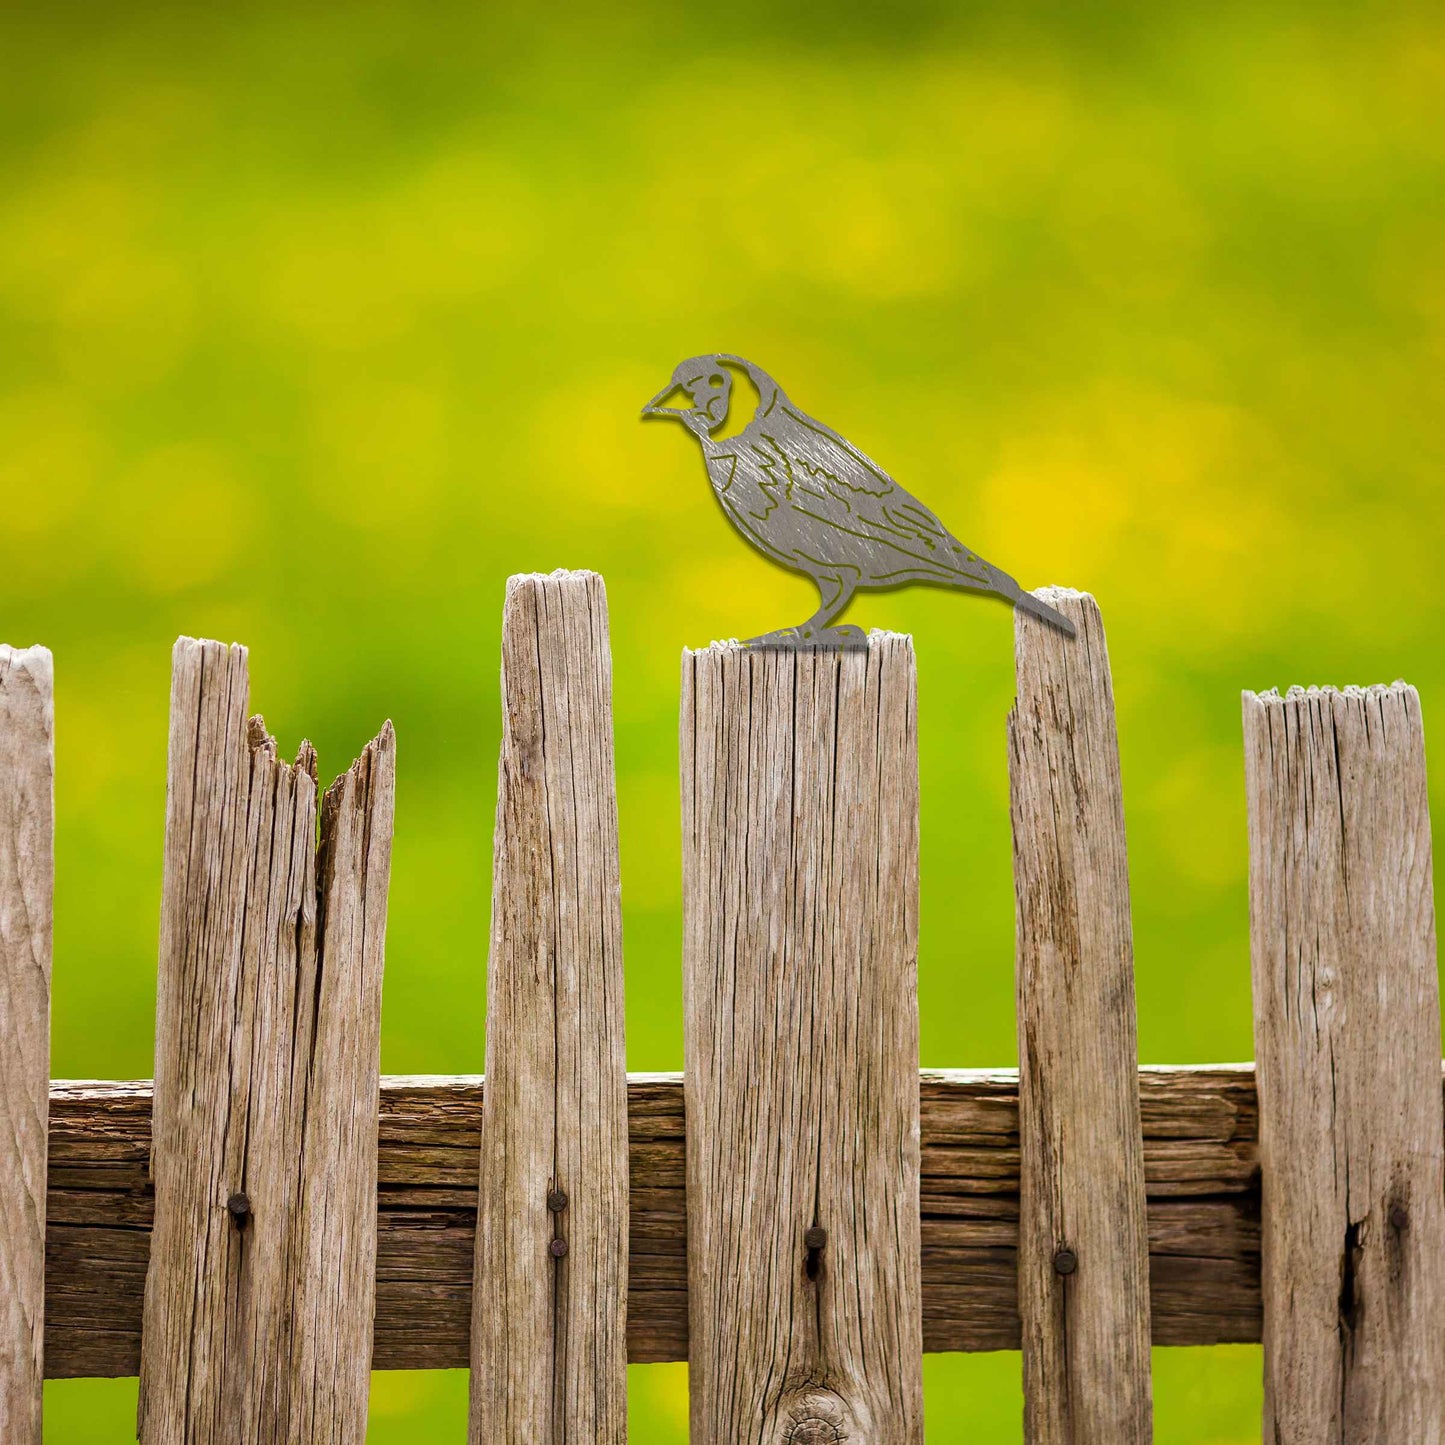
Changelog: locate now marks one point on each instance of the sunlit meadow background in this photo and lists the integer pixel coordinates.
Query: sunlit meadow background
(317, 321)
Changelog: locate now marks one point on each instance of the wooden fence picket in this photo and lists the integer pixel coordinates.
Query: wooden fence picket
(549, 1311)
(1347, 1039)
(27, 873)
(800, 881)
(259, 1295)
(1083, 1240)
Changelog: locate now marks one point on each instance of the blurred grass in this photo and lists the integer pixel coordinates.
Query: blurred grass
(317, 321)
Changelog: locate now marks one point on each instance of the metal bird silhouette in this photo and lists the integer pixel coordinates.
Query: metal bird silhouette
(811, 501)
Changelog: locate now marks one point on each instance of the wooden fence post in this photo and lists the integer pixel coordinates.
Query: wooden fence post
(258, 1302)
(549, 1299)
(27, 769)
(800, 885)
(1347, 1042)
(1083, 1242)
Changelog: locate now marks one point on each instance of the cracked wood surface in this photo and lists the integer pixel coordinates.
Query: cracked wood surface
(258, 1302)
(1200, 1168)
(800, 894)
(1083, 1265)
(1347, 1036)
(27, 875)
(549, 1328)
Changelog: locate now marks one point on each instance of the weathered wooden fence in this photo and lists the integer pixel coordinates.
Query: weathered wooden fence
(802, 1213)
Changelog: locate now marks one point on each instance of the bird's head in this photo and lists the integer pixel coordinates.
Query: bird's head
(707, 387)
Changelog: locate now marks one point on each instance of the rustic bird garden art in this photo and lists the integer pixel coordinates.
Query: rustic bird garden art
(809, 500)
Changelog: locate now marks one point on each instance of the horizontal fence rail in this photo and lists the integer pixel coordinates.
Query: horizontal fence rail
(1200, 1166)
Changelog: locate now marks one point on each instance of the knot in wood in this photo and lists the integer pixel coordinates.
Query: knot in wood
(817, 1419)
(814, 1430)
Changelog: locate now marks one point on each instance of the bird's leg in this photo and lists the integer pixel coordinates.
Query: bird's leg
(836, 592)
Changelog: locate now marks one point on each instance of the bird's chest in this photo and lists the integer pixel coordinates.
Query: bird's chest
(753, 490)
(757, 490)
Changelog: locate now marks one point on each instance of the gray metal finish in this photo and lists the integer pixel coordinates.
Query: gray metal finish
(812, 502)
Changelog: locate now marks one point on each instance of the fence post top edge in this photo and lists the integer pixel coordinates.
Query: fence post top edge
(1273, 697)
(725, 646)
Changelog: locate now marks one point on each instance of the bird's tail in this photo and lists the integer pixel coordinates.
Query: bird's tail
(1029, 603)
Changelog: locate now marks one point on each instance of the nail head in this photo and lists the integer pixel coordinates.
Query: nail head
(238, 1206)
(556, 1200)
(816, 1237)
(557, 1248)
(1065, 1261)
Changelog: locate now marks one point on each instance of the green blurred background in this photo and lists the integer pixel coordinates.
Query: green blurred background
(316, 322)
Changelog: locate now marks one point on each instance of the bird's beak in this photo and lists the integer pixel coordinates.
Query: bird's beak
(655, 406)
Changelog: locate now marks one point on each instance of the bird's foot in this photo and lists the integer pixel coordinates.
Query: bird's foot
(822, 639)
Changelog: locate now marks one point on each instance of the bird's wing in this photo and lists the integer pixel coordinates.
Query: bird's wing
(830, 481)
(821, 451)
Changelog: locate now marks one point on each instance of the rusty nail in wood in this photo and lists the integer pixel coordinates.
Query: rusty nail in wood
(238, 1206)
(557, 1248)
(816, 1237)
(1400, 1217)
(556, 1200)
(1065, 1261)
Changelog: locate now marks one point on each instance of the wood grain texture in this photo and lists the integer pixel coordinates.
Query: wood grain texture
(27, 879)
(549, 1329)
(1083, 1242)
(1347, 1035)
(800, 886)
(1200, 1167)
(258, 1316)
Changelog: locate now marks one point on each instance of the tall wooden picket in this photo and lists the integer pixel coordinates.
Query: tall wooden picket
(800, 884)
(1347, 1038)
(258, 1302)
(27, 876)
(1083, 1241)
(549, 1306)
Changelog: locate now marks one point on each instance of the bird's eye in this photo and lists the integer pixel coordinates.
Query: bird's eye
(716, 379)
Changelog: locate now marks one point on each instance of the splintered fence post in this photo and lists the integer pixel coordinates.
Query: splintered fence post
(549, 1311)
(27, 871)
(1347, 1043)
(259, 1295)
(1083, 1241)
(800, 887)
